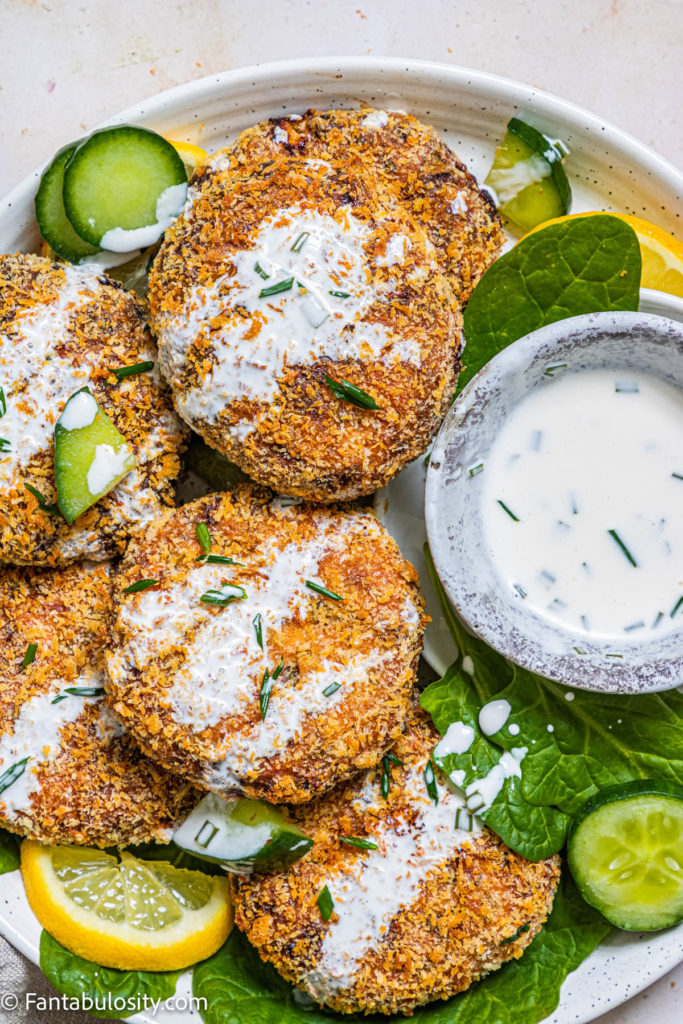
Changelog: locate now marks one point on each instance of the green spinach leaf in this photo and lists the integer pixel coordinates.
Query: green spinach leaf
(585, 265)
(9, 851)
(103, 991)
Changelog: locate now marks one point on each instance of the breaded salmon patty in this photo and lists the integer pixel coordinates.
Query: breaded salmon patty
(414, 162)
(69, 773)
(435, 902)
(276, 654)
(62, 328)
(278, 284)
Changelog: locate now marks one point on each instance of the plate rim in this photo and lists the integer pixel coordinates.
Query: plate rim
(496, 88)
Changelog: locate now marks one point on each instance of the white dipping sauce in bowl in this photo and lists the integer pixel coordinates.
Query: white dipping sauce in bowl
(554, 502)
(582, 502)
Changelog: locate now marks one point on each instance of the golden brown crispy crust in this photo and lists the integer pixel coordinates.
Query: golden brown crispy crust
(424, 173)
(107, 331)
(455, 932)
(356, 728)
(306, 441)
(99, 789)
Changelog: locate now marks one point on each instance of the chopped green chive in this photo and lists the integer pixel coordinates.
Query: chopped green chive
(261, 272)
(3, 403)
(339, 295)
(80, 691)
(258, 629)
(206, 834)
(519, 589)
(300, 242)
(579, 651)
(614, 655)
(13, 773)
(225, 596)
(626, 387)
(634, 625)
(204, 537)
(45, 506)
(267, 686)
(30, 655)
(554, 368)
(135, 588)
(518, 934)
(332, 688)
(464, 819)
(675, 608)
(506, 509)
(325, 903)
(275, 289)
(658, 618)
(361, 844)
(5, 446)
(385, 780)
(617, 539)
(322, 590)
(347, 392)
(474, 470)
(677, 476)
(121, 372)
(219, 560)
(264, 693)
(430, 782)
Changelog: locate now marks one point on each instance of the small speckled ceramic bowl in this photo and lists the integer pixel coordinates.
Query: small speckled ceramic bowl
(452, 503)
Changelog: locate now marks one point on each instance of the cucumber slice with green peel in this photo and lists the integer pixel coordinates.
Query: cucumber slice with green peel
(241, 835)
(528, 177)
(625, 851)
(91, 456)
(55, 227)
(123, 187)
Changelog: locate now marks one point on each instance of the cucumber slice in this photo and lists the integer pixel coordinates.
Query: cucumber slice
(123, 187)
(241, 835)
(91, 456)
(528, 177)
(625, 852)
(55, 227)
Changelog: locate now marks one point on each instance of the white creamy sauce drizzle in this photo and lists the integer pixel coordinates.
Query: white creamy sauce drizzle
(458, 206)
(79, 411)
(107, 464)
(295, 327)
(493, 716)
(457, 739)
(37, 734)
(482, 792)
(585, 454)
(30, 357)
(224, 666)
(376, 885)
(377, 119)
(168, 206)
(509, 181)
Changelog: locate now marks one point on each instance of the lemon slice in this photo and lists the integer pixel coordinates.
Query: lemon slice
(662, 254)
(128, 913)
(191, 155)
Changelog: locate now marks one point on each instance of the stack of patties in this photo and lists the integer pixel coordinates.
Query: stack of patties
(69, 773)
(307, 306)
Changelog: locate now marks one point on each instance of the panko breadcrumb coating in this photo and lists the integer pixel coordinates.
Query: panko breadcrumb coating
(78, 777)
(357, 295)
(61, 328)
(242, 677)
(421, 917)
(426, 175)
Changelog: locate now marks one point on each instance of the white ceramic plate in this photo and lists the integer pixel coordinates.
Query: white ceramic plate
(608, 170)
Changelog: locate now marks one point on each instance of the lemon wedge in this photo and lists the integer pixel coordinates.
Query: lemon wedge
(191, 155)
(126, 913)
(662, 254)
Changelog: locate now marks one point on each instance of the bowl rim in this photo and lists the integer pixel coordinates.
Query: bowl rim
(589, 671)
